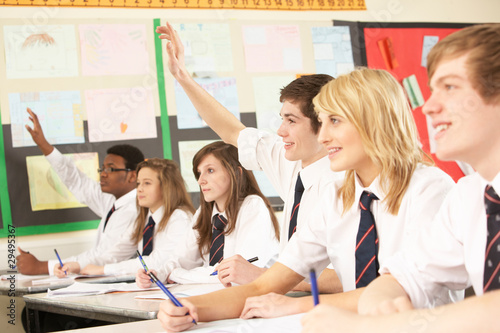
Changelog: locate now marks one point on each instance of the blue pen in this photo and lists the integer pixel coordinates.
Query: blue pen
(249, 260)
(160, 285)
(60, 261)
(314, 286)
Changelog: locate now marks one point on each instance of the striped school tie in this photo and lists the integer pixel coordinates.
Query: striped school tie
(108, 216)
(299, 190)
(491, 280)
(366, 243)
(217, 245)
(147, 237)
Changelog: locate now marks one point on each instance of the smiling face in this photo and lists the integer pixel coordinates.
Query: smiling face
(149, 192)
(117, 183)
(345, 147)
(214, 181)
(466, 127)
(301, 143)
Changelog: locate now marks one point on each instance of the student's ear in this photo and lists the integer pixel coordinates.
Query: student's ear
(241, 171)
(133, 177)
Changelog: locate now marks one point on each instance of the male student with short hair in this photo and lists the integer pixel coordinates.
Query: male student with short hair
(462, 247)
(283, 159)
(113, 198)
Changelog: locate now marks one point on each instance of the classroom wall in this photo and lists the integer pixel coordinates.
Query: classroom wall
(462, 11)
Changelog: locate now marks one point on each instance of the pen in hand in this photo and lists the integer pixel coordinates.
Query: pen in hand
(251, 260)
(160, 285)
(60, 261)
(314, 286)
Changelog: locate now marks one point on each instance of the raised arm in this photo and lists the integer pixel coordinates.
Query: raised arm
(37, 134)
(223, 122)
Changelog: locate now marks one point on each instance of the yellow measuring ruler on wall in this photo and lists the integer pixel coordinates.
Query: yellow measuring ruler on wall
(200, 4)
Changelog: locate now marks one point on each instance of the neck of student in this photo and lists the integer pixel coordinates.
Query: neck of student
(367, 175)
(316, 157)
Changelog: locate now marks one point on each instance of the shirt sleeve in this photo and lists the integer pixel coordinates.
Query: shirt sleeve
(307, 248)
(429, 267)
(165, 244)
(187, 255)
(259, 150)
(254, 235)
(85, 190)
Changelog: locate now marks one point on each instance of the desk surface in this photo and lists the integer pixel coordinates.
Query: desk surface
(114, 307)
(26, 286)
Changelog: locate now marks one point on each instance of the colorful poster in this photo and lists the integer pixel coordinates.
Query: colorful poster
(114, 49)
(272, 48)
(59, 113)
(207, 47)
(120, 114)
(332, 50)
(224, 90)
(47, 191)
(40, 51)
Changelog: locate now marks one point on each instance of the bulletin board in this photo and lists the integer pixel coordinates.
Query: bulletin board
(401, 49)
(105, 99)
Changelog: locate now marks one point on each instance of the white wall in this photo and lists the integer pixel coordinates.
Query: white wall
(463, 11)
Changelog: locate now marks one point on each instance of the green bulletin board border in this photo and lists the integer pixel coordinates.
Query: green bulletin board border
(92, 224)
(4, 193)
(165, 127)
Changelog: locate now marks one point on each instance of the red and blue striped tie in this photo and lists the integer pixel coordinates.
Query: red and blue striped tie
(147, 237)
(217, 245)
(366, 243)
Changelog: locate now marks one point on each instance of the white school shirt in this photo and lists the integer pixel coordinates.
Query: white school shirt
(165, 242)
(451, 252)
(88, 192)
(253, 236)
(330, 237)
(260, 150)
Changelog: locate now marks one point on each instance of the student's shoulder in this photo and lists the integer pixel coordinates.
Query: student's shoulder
(425, 175)
(181, 213)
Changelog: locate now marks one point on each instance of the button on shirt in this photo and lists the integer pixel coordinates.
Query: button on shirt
(253, 236)
(88, 191)
(330, 237)
(260, 150)
(451, 251)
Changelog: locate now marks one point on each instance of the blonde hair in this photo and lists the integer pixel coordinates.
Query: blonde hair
(173, 191)
(375, 103)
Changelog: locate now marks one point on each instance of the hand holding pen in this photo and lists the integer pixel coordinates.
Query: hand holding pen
(60, 261)
(160, 284)
(251, 260)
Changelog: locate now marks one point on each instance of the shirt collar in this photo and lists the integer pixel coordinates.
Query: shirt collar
(373, 188)
(158, 215)
(314, 171)
(495, 183)
(215, 211)
(125, 199)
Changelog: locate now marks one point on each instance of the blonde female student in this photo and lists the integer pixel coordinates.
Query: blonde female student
(165, 216)
(234, 218)
(390, 190)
